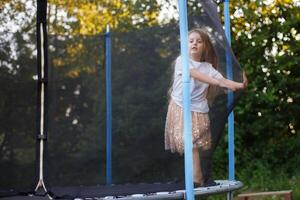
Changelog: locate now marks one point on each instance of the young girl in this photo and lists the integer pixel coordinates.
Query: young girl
(204, 76)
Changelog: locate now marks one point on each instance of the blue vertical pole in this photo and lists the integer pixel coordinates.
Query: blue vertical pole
(188, 159)
(230, 94)
(108, 107)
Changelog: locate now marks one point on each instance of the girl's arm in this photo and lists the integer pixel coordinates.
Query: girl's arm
(223, 82)
(232, 85)
(203, 77)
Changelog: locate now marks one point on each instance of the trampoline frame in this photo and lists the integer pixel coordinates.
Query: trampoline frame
(224, 186)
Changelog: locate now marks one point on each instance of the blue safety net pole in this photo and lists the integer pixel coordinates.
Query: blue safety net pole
(188, 159)
(230, 94)
(108, 107)
(231, 175)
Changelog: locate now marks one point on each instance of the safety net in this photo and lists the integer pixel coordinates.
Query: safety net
(142, 66)
(18, 112)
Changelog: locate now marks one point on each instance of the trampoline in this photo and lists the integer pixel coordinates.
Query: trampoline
(136, 191)
(101, 104)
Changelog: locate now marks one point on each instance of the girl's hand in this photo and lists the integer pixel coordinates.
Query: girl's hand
(231, 85)
(245, 80)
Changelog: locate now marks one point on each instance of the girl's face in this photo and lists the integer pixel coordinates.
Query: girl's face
(195, 46)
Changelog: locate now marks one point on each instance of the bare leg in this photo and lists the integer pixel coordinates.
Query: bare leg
(198, 178)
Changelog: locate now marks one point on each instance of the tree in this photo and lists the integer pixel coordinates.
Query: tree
(92, 17)
(266, 41)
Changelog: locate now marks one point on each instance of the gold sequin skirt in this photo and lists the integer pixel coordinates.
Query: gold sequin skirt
(174, 139)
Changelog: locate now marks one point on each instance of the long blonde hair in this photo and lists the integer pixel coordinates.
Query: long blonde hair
(208, 55)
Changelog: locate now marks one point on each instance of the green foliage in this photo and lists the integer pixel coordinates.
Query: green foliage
(267, 123)
(267, 44)
(91, 17)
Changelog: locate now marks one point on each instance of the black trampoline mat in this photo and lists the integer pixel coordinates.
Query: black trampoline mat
(133, 191)
(103, 191)
(114, 190)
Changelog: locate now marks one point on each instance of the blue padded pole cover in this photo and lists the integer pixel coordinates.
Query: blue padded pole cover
(188, 159)
(108, 107)
(230, 95)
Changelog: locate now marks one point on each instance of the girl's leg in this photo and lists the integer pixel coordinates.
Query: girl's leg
(198, 178)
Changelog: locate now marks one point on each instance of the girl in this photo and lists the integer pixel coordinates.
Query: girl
(204, 76)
